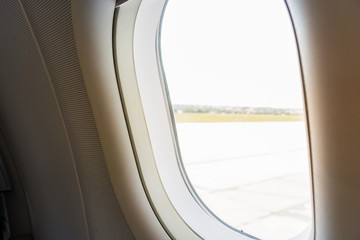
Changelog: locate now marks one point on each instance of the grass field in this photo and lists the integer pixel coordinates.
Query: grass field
(236, 117)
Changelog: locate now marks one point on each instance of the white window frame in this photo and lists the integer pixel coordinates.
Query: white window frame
(150, 124)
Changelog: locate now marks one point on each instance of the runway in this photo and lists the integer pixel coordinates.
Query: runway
(252, 175)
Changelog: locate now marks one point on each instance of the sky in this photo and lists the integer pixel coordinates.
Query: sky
(230, 53)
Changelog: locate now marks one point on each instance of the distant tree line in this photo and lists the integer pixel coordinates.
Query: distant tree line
(179, 108)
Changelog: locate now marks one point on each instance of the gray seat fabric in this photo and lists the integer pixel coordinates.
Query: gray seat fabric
(16, 203)
(47, 122)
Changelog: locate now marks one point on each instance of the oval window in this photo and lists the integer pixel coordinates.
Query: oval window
(233, 79)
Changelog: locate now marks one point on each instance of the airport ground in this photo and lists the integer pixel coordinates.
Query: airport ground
(253, 175)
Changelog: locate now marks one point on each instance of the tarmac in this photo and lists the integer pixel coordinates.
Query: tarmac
(253, 176)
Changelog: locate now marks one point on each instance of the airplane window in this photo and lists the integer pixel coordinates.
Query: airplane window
(233, 80)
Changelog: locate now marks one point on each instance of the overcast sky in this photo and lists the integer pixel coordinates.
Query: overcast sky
(230, 52)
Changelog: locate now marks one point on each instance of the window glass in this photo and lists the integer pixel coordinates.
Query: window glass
(232, 72)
